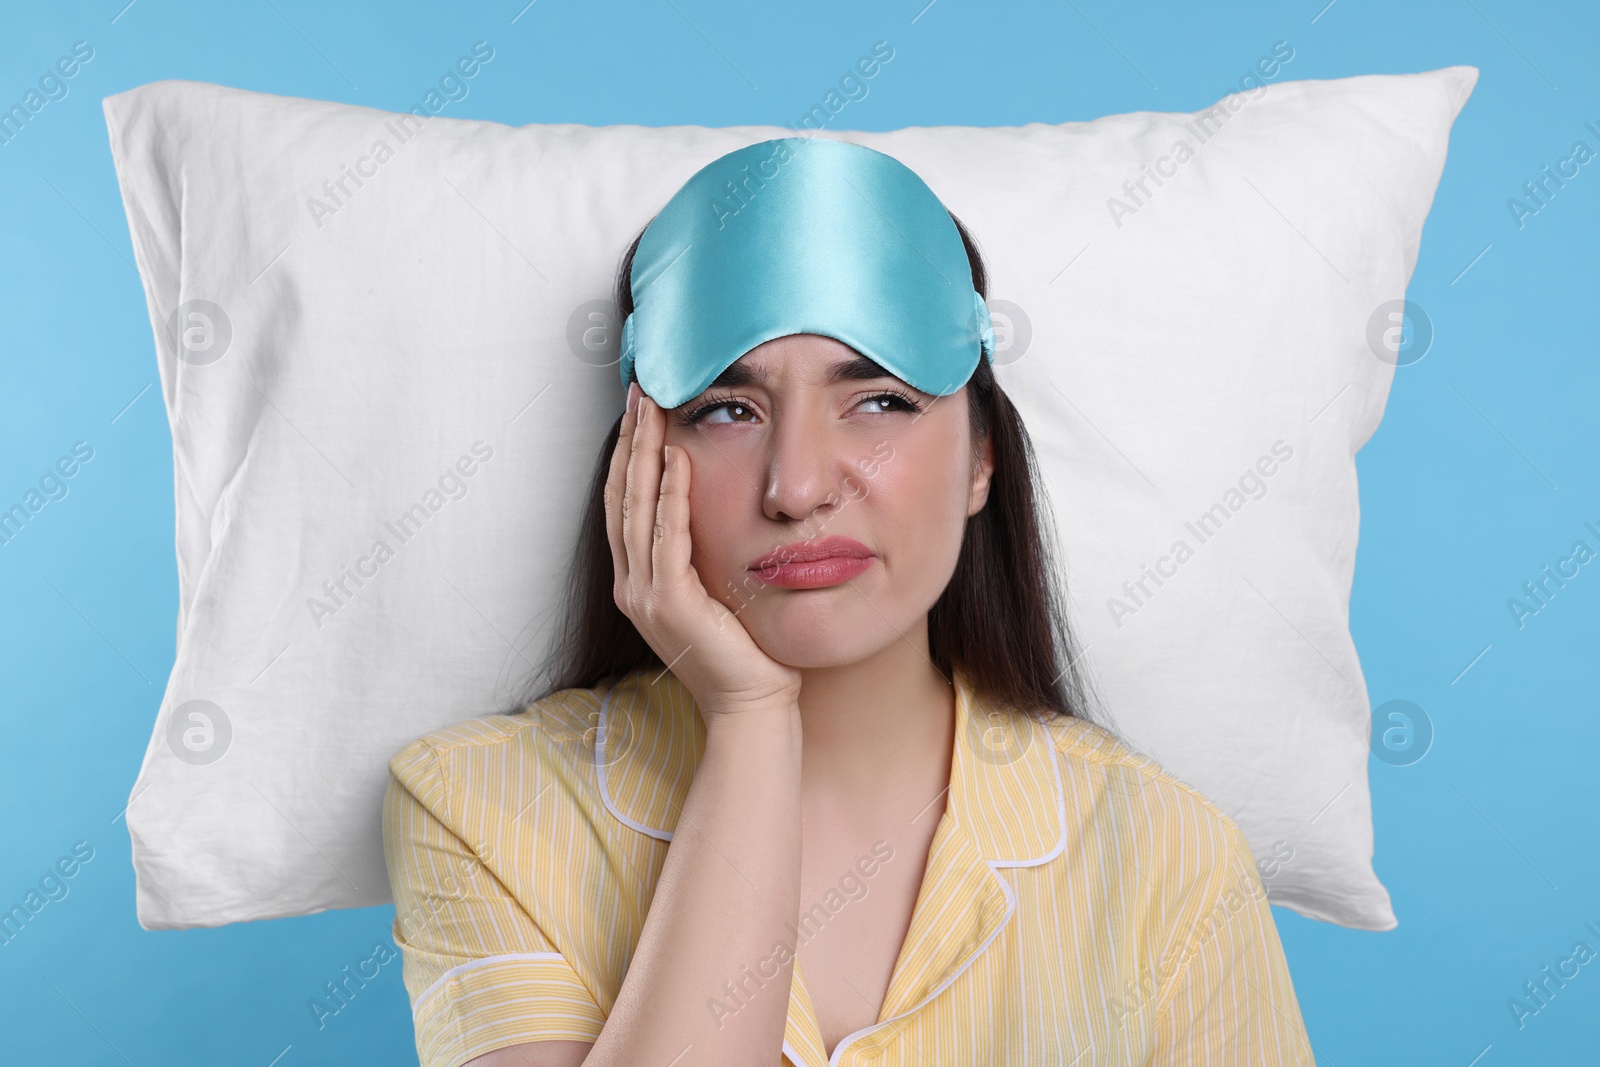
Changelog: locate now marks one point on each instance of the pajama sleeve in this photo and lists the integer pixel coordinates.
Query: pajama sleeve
(1231, 1002)
(480, 973)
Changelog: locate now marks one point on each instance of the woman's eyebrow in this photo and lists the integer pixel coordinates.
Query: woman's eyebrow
(856, 369)
(852, 369)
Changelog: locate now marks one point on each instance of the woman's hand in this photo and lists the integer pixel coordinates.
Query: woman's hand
(656, 586)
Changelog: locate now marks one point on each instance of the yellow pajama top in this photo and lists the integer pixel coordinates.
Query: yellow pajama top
(1079, 906)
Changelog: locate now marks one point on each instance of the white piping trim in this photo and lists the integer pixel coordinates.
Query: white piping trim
(600, 770)
(1011, 909)
(474, 964)
(1061, 807)
(1011, 901)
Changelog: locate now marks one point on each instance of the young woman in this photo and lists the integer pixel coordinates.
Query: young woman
(812, 782)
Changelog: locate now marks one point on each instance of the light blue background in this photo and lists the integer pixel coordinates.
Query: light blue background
(1483, 470)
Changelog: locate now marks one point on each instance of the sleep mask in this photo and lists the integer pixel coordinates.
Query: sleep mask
(802, 235)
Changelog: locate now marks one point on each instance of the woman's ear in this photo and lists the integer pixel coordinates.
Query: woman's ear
(982, 474)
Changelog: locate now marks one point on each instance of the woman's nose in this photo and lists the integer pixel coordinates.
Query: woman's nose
(805, 468)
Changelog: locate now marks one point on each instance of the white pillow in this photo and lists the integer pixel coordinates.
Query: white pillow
(390, 329)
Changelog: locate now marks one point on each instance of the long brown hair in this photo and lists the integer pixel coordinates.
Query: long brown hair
(1002, 618)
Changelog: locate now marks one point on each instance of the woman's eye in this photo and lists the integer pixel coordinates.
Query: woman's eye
(730, 412)
(889, 402)
(736, 411)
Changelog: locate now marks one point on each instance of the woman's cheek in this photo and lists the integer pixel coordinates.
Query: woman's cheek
(710, 525)
(908, 489)
(922, 492)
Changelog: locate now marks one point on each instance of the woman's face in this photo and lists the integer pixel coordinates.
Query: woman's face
(810, 449)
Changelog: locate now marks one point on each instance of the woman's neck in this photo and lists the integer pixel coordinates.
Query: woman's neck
(878, 731)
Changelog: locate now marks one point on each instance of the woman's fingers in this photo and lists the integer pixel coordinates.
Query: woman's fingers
(616, 492)
(671, 551)
(644, 485)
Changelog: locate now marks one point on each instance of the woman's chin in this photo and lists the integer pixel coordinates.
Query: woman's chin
(813, 643)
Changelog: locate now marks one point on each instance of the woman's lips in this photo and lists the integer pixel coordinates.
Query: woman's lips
(814, 574)
(813, 564)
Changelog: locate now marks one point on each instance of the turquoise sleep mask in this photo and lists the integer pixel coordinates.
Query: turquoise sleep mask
(802, 235)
